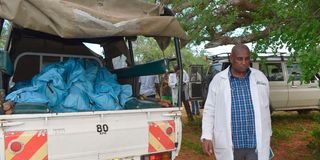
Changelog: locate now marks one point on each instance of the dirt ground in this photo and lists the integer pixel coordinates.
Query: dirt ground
(291, 136)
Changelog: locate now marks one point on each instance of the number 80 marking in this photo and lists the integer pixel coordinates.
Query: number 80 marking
(102, 128)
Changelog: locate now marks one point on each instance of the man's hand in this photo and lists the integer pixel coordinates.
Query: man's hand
(207, 147)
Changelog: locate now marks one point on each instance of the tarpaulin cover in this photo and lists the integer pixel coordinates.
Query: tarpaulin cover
(135, 103)
(91, 18)
(74, 85)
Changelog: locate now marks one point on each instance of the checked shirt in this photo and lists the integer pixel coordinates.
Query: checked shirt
(242, 112)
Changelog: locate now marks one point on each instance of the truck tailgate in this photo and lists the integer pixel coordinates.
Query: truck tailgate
(90, 135)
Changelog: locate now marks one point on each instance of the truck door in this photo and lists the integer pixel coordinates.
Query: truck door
(196, 85)
(278, 83)
(301, 94)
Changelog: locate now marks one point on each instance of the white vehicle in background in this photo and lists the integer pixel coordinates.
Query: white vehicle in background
(45, 32)
(287, 92)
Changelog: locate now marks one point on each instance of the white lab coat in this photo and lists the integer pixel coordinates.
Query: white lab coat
(148, 85)
(173, 81)
(216, 122)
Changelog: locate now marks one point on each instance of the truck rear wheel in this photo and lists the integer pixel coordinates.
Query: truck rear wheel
(304, 111)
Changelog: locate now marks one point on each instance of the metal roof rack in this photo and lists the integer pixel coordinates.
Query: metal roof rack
(282, 55)
(225, 55)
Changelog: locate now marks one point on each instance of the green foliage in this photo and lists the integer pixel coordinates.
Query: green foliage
(147, 49)
(291, 23)
(294, 23)
(4, 34)
(2, 40)
(1, 43)
(299, 29)
(189, 57)
(309, 64)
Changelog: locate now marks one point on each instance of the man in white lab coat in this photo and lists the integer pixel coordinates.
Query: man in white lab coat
(236, 122)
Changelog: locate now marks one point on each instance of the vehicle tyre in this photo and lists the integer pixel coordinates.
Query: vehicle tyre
(304, 111)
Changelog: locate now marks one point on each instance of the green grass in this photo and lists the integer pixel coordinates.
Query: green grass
(285, 126)
(282, 133)
(194, 146)
(191, 135)
(289, 117)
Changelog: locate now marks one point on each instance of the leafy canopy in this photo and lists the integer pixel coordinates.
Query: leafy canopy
(267, 23)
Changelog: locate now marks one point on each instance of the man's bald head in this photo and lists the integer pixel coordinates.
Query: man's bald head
(239, 48)
(240, 59)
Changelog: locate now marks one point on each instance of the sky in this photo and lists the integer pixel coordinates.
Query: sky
(211, 51)
(227, 48)
(95, 48)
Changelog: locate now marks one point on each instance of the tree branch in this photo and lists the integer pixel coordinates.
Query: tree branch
(243, 5)
(240, 22)
(177, 8)
(224, 40)
(189, 16)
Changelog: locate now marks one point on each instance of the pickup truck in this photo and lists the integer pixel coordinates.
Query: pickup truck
(47, 32)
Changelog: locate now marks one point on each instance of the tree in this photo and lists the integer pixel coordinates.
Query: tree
(310, 64)
(267, 23)
(4, 34)
(146, 49)
(272, 22)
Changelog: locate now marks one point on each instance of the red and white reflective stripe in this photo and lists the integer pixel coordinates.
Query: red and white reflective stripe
(161, 136)
(30, 145)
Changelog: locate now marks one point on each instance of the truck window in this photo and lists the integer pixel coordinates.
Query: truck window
(226, 65)
(195, 73)
(216, 68)
(294, 71)
(273, 71)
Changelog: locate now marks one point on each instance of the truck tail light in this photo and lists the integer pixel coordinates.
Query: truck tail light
(16, 146)
(158, 156)
(26, 144)
(169, 130)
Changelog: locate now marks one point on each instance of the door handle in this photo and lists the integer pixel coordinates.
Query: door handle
(294, 86)
(10, 124)
(172, 115)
